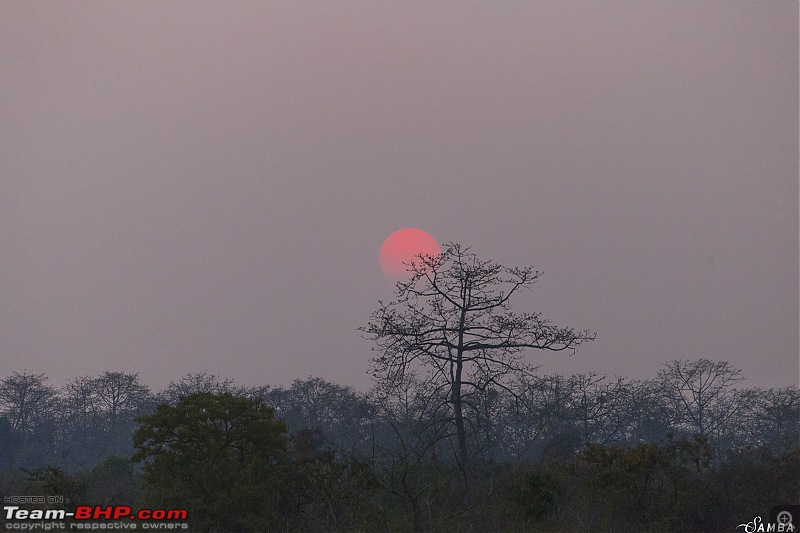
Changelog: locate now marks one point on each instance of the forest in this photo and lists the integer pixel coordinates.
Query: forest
(460, 432)
(688, 450)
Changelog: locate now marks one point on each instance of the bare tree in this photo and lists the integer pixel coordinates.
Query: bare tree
(27, 401)
(454, 320)
(594, 408)
(410, 438)
(199, 382)
(643, 412)
(770, 416)
(120, 398)
(80, 423)
(700, 394)
(29, 405)
(316, 404)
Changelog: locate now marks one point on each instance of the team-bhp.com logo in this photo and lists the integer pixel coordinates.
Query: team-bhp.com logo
(781, 520)
(87, 513)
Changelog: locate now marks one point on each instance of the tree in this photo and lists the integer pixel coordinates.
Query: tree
(112, 481)
(120, 398)
(6, 444)
(198, 382)
(314, 403)
(453, 318)
(326, 493)
(778, 414)
(217, 455)
(700, 394)
(53, 481)
(598, 408)
(410, 438)
(643, 412)
(29, 405)
(80, 423)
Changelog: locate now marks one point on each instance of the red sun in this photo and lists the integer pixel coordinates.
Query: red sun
(404, 246)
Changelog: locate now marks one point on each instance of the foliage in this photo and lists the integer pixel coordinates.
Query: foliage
(557, 453)
(532, 494)
(672, 486)
(325, 493)
(113, 481)
(217, 455)
(53, 481)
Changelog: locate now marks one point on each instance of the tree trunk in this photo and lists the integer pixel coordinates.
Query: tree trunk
(461, 431)
(416, 517)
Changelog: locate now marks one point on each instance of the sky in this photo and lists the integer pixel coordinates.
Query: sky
(204, 186)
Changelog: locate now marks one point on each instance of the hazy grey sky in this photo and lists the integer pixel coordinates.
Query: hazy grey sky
(190, 186)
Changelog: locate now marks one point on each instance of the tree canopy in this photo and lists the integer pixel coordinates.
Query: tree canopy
(216, 455)
(453, 319)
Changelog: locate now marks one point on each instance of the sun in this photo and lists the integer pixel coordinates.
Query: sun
(404, 246)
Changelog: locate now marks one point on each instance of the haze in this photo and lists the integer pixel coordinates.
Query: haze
(189, 186)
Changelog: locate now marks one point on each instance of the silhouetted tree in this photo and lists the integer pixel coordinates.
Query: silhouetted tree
(199, 382)
(643, 412)
(777, 414)
(120, 398)
(315, 403)
(29, 404)
(6, 444)
(595, 406)
(454, 319)
(701, 395)
(411, 444)
(83, 440)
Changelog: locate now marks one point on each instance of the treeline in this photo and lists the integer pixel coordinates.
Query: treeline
(89, 418)
(689, 450)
